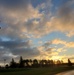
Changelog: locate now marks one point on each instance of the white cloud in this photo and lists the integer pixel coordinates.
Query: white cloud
(63, 42)
(58, 41)
(70, 34)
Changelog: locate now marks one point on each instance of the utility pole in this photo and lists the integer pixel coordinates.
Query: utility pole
(4, 62)
(0, 22)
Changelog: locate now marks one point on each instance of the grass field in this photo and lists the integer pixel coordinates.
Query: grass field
(35, 71)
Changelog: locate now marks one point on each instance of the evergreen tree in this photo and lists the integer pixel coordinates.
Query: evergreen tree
(13, 64)
(69, 62)
(21, 63)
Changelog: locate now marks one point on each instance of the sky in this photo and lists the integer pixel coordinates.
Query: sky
(36, 29)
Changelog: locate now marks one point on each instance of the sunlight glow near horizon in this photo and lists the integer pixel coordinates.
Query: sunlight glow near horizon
(55, 58)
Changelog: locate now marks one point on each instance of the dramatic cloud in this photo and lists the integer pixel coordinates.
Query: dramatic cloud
(24, 18)
(58, 41)
(21, 21)
(15, 18)
(64, 43)
(65, 20)
(17, 48)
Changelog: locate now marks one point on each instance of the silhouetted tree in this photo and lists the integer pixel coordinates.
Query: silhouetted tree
(35, 63)
(26, 63)
(69, 62)
(0, 67)
(6, 66)
(31, 62)
(21, 63)
(13, 64)
(51, 63)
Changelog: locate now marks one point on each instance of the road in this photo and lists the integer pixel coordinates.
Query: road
(67, 73)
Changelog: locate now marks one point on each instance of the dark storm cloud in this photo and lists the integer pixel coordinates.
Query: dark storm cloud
(66, 11)
(14, 44)
(47, 44)
(14, 3)
(13, 49)
(26, 52)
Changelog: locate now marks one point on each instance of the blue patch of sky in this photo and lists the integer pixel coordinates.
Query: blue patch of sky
(3, 25)
(55, 6)
(35, 3)
(70, 51)
(71, 39)
(54, 35)
(5, 38)
(35, 41)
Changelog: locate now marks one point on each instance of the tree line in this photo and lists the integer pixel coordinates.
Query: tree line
(29, 63)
